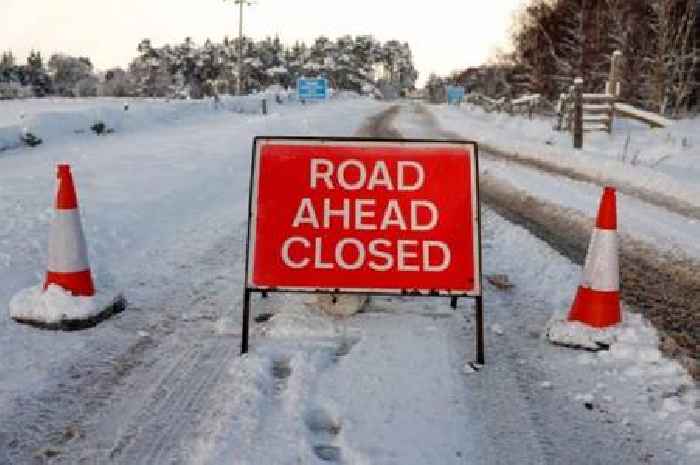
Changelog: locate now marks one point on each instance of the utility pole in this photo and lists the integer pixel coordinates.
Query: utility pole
(241, 3)
(578, 113)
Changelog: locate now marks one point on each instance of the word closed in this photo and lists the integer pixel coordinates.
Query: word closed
(359, 215)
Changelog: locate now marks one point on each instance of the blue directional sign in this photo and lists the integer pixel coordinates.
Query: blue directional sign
(312, 88)
(455, 95)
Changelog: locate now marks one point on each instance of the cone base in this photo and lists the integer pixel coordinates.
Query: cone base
(598, 309)
(78, 283)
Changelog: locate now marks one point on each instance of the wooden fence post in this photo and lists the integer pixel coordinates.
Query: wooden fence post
(578, 113)
(570, 110)
(614, 85)
(560, 113)
(614, 79)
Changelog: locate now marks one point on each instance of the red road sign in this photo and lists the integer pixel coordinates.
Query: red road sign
(351, 215)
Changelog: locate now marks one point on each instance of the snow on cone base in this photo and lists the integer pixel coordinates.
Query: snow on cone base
(56, 308)
(579, 335)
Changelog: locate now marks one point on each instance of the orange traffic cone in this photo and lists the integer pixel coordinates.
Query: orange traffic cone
(68, 261)
(597, 301)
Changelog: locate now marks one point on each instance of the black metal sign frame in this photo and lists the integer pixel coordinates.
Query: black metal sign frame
(248, 290)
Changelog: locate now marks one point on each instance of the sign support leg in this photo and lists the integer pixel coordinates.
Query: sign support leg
(480, 359)
(453, 303)
(246, 322)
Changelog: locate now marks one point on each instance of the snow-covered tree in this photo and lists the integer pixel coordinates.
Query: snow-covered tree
(629, 32)
(117, 83)
(437, 90)
(674, 60)
(67, 71)
(557, 40)
(198, 71)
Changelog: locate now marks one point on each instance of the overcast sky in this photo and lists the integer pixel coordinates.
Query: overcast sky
(444, 34)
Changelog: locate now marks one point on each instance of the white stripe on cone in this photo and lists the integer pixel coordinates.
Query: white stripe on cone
(602, 269)
(67, 246)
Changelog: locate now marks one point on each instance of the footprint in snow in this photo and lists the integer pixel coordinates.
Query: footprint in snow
(324, 427)
(345, 346)
(281, 371)
(328, 453)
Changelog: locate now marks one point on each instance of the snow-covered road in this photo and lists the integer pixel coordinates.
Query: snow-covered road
(162, 382)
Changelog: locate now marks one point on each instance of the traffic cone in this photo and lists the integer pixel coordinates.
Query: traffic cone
(68, 261)
(597, 301)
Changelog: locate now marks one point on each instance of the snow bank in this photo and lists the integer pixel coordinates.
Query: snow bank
(655, 160)
(58, 119)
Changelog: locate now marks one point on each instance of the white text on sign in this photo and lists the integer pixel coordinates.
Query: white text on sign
(363, 214)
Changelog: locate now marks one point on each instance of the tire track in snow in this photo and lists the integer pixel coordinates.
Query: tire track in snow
(381, 126)
(156, 434)
(162, 421)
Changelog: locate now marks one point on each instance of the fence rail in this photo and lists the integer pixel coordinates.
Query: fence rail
(580, 112)
(526, 104)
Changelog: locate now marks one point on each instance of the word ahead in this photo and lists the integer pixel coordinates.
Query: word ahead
(364, 216)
